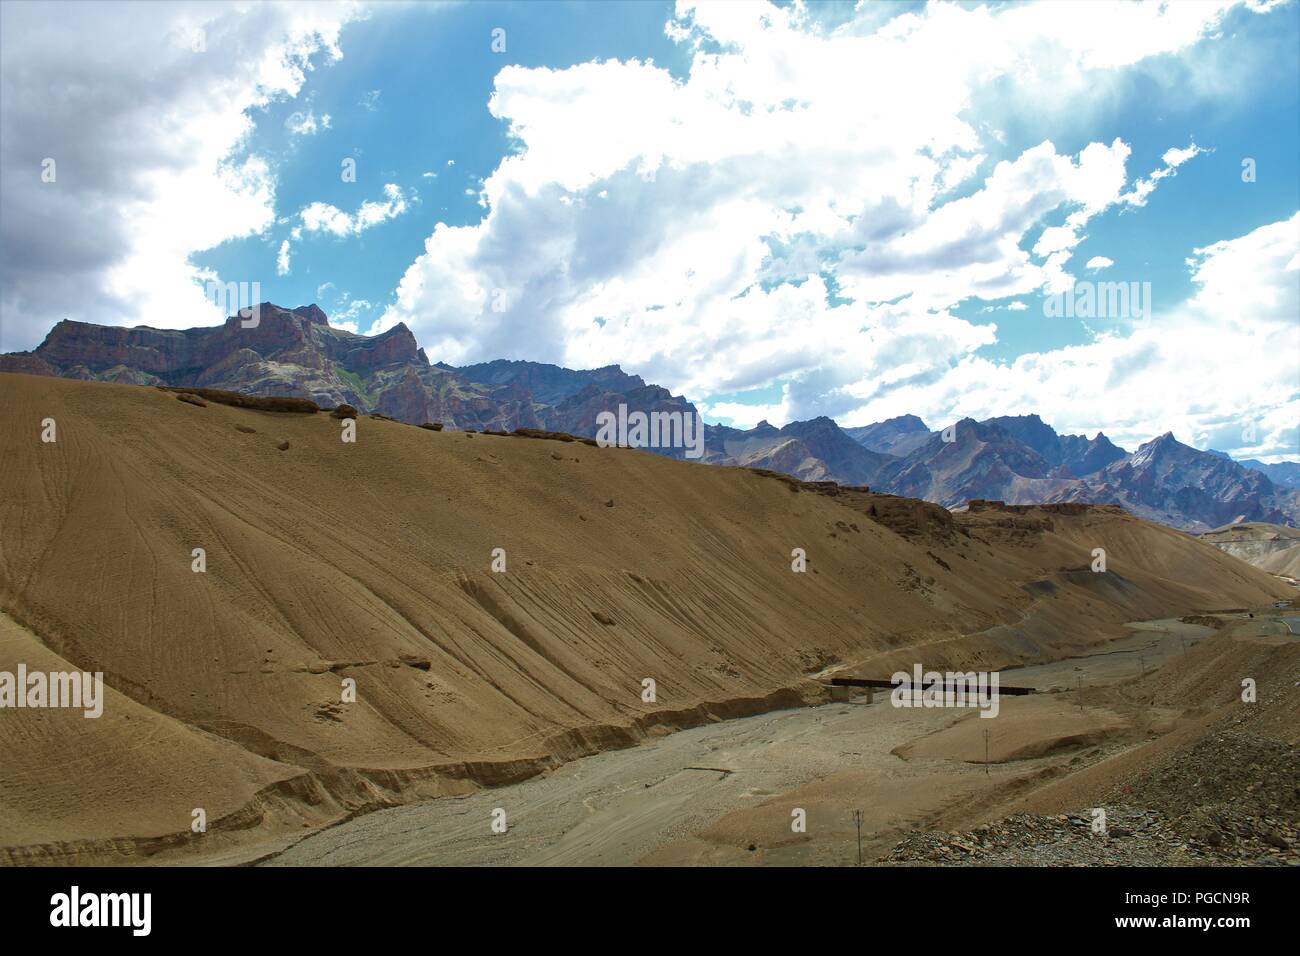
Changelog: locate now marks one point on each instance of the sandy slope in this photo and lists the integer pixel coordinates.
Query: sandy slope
(371, 561)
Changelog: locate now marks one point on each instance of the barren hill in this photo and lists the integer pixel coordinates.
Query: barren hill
(372, 561)
(1270, 547)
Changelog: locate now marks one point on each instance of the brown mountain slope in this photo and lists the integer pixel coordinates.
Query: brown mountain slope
(1270, 547)
(372, 561)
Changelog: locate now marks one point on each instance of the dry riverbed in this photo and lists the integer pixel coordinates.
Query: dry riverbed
(728, 793)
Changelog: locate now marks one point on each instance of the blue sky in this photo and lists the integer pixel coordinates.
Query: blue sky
(433, 68)
(778, 210)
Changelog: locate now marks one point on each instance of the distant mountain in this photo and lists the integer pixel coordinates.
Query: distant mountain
(548, 384)
(983, 460)
(1284, 473)
(815, 450)
(1176, 484)
(296, 352)
(1016, 459)
(288, 352)
(1022, 460)
(1071, 456)
(895, 436)
(567, 400)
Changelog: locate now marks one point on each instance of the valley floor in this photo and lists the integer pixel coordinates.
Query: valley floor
(724, 794)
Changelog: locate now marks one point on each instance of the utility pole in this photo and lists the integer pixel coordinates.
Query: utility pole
(857, 819)
(986, 752)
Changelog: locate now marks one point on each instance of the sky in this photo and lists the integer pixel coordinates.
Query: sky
(778, 210)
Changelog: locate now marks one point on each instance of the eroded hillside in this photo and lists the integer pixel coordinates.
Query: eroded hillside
(371, 561)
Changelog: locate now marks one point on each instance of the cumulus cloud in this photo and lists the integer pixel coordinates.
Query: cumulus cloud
(1172, 159)
(147, 121)
(741, 415)
(775, 216)
(324, 217)
(349, 315)
(328, 219)
(1099, 262)
(344, 311)
(1219, 370)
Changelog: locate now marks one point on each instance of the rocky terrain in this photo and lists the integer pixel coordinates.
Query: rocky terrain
(295, 352)
(1214, 779)
(1231, 799)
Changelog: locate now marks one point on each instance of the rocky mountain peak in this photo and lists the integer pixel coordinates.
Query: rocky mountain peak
(312, 313)
(1157, 448)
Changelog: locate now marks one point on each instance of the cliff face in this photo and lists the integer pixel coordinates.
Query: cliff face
(1270, 547)
(288, 352)
(296, 352)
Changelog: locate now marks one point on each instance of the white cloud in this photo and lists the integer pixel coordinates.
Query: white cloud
(322, 217)
(1099, 262)
(739, 415)
(702, 218)
(372, 212)
(150, 141)
(1206, 369)
(349, 316)
(1175, 157)
(282, 259)
(1172, 158)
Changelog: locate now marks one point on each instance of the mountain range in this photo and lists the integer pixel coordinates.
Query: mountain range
(1015, 459)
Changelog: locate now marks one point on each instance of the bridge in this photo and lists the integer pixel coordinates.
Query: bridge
(840, 687)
